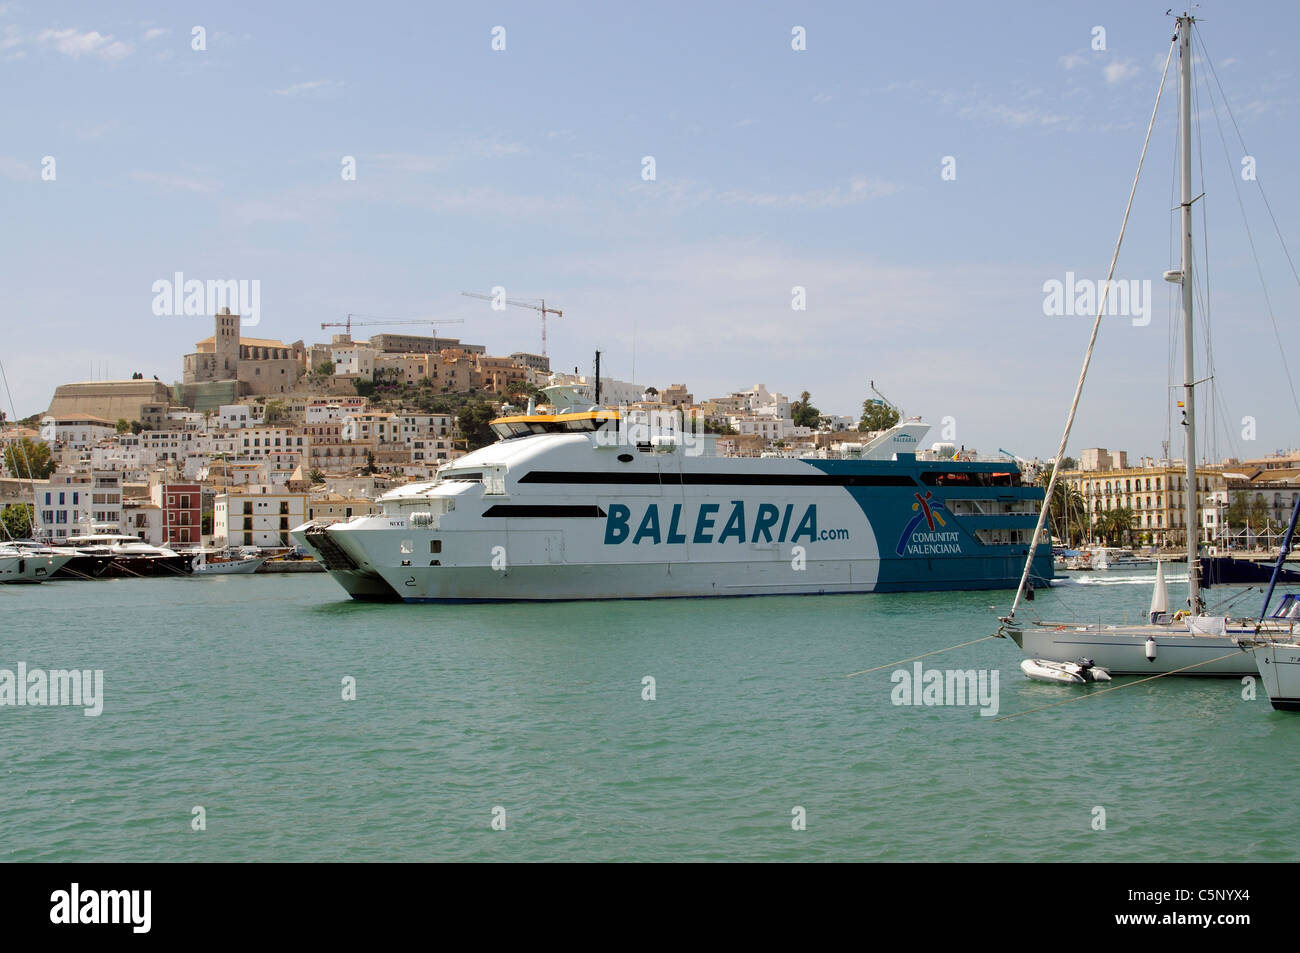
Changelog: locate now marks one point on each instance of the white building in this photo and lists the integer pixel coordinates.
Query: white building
(413, 427)
(258, 442)
(78, 432)
(71, 502)
(326, 411)
(612, 392)
(769, 428)
(143, 518)
(166, 444)
(259, 515)
(354, 360)
(372, 428)
(239, 416)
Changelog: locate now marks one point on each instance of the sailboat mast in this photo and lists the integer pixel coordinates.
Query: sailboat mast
(1189, 369)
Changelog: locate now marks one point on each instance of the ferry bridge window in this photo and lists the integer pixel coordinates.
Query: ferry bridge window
(967, 478)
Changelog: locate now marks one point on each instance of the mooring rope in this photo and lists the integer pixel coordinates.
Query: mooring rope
(867, 671)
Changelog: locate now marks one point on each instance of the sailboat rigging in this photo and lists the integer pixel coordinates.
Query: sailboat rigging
(1188, 642)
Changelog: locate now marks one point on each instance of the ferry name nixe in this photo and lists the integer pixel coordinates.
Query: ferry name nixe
(587, 503)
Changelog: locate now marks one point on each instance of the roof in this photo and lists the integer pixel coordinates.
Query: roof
(79, 418)
(1288, 475)
(250, 342)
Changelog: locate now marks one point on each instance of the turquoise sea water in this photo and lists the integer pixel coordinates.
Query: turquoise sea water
(227, 693)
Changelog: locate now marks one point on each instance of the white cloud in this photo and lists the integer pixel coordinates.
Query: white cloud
(860, 189)
(1016, 116)
(18, 170)
(494, 147)
(311, 86)
(154, 33)
(407, 162)
(77, 44)
(1074, 60)
(1118, 71)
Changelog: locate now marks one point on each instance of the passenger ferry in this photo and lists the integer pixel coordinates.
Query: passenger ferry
(587, 503)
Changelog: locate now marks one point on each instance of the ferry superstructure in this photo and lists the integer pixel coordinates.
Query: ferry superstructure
(564, 506)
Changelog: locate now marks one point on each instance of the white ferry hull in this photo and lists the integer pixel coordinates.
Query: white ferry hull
(552, 518)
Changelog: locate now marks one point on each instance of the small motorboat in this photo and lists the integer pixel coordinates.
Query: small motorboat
(226, 563)
(1065, 673)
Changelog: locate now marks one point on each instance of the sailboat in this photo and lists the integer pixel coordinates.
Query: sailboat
(1278, 656)
(1186, 642)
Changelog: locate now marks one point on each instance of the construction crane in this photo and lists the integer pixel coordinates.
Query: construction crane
(386, 321)
(538, 305)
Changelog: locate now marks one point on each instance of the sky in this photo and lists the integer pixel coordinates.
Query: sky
(921, 171)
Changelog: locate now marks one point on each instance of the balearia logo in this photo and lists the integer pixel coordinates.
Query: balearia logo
(1081, 297)
(935, 542)
(176, 296)
(102, 907)
(37, 688)
(950, 687)
(772, 524)
(645, 428)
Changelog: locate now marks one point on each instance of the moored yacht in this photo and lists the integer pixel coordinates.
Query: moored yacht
(21, 566)
(131, 556)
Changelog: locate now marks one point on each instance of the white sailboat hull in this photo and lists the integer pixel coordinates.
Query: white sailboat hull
(1279, 671)
(229, 567)
(1121, 650)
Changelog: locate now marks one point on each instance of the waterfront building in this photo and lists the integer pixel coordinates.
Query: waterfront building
(334, 506)
(143, 519)
(75, 503)
(1156, 495)
(257, 515)
(181, 509)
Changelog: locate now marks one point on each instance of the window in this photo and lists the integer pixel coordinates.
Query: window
(435, 545)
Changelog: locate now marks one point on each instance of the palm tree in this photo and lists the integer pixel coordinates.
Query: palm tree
(1066, 509)
(1114, 526)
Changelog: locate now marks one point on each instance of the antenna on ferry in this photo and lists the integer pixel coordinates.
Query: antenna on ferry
(597, 378)
(888, 403)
